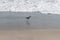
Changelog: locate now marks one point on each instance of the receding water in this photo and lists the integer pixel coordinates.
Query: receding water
(37, 21)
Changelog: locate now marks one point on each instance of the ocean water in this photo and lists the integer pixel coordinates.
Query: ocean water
(38, 21)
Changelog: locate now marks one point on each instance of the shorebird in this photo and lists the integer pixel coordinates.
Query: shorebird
(27, 21)
(28, 17)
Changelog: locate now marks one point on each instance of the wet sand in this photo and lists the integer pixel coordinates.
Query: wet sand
(33, 34)
(38, 27)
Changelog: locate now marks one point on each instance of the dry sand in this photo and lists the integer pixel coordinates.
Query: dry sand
(36, 34)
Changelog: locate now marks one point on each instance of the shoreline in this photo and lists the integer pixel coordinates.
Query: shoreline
(42, 29)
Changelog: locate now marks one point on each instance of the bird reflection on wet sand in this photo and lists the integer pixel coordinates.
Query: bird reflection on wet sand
(28, 23)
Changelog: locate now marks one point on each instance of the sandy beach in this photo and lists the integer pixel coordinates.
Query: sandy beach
(33, 34)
